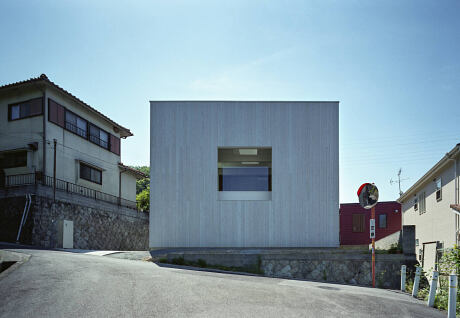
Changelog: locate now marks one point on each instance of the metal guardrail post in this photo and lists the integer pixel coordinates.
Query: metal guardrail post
(433, 287)
(418, 271)
(451, 309)
(403, 277)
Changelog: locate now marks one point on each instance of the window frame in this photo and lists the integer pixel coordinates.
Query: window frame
(422, 207)
(362, 225)
(438, 192)
(386, 221)
(10, 106)
(91, 169)
(9, 153)
(99, 138)
(76, 126)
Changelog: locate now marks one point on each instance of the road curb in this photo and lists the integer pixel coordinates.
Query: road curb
(18, 258)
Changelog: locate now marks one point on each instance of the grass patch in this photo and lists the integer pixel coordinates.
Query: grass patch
(256, 269)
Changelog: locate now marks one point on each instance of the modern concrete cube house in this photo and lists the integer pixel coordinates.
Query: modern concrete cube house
(244, 174)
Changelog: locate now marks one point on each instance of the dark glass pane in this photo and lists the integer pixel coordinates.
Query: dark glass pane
(81, 127)
(71, 118)
(85, 172)
(96, 175)
(13, 160)
(103, 139)
(245, 179)
(25, 110)
(15, 112)
(94, 134)
(383, 220)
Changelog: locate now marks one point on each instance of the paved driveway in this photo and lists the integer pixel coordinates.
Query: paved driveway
(63, 284)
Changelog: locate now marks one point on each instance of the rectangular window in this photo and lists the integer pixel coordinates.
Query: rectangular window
(90, 174)
(244, 169)
(14, 159)
(415, 204)
(422, 203)
(30, 108)
(98, 136)
(75, 124)
(416, 242)
(358, 223)
(382, 221)
(438, 189)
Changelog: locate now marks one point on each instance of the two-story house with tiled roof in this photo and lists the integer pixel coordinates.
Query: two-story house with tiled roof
(52, 138)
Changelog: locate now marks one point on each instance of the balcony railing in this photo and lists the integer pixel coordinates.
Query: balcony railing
(98, 141)
(61, 185)
(75, 129)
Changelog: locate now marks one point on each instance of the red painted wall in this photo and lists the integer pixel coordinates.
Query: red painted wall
(348, 237)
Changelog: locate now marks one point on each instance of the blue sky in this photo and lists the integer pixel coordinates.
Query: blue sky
(393, 65)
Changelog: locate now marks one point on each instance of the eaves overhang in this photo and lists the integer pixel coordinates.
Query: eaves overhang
(440, 165)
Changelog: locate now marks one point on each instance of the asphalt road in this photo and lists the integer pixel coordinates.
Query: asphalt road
(63, 284)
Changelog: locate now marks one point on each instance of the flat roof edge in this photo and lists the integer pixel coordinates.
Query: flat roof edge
(243, 101)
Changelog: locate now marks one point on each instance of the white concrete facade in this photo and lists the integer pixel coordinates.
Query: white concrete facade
(71, 148)
(303, 208)
(436, 225)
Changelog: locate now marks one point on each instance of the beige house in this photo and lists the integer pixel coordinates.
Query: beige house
(431, 204)
(49, 136)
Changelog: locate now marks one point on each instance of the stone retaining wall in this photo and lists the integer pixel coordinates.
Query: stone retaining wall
(103, 227)
(349, 268)
(318, 264)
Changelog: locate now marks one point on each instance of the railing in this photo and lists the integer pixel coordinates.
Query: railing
(61, 185)
(99, 141)
(75, 129)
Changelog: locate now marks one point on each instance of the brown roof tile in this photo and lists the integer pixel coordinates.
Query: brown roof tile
(43, 78)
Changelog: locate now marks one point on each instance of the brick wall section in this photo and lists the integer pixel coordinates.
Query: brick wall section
(348, 237)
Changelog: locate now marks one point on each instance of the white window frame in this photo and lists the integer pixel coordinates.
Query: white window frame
(421, 202)
(438, 185)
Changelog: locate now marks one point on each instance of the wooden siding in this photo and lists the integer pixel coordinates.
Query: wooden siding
(184, 206)
(349, 211)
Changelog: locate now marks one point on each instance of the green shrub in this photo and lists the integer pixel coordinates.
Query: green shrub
(178, 261)
(201, 263)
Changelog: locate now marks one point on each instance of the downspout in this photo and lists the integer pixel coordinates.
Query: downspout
(45, 104)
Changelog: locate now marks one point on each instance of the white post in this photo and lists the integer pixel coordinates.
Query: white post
(433, 287)
(403, 278)
(452, 296)
(416, 281)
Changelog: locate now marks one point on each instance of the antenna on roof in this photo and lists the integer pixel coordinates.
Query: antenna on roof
(398, 181)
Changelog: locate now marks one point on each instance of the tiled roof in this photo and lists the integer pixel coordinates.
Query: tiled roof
(456, 207)
(134, 171)
(125, 132)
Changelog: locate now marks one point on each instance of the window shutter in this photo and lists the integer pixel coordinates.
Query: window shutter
(56, 113)
(115, 144)
(36, 106)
